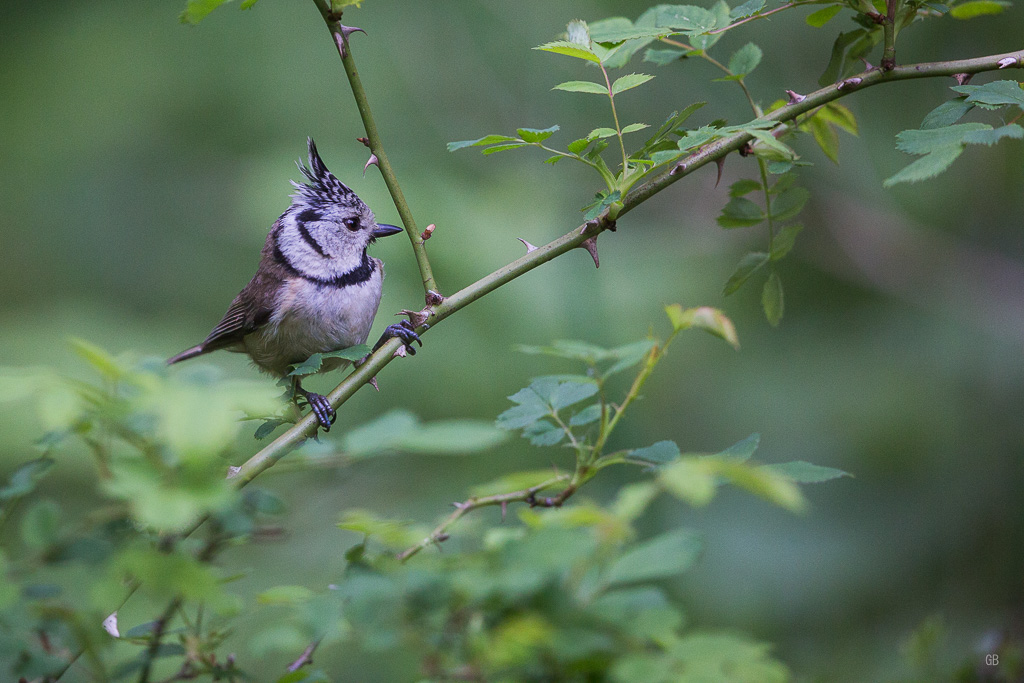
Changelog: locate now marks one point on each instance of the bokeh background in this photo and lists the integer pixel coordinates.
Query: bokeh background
(143, 161)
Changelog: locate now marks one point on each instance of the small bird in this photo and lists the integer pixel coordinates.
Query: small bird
(316, 289)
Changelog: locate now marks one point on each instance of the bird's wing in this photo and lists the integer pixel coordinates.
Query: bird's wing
(250, 310)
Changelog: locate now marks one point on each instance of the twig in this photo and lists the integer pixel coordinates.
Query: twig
(158, 633)
(341, 36)
(306, 657)
(439, 534)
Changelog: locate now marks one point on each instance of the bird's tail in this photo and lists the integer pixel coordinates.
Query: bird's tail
(186, 354)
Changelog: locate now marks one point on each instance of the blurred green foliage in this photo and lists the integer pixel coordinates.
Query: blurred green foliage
(139, 185)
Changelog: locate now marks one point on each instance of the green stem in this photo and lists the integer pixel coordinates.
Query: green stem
(760, 15)
(762, 166)
(889, 36)
(615, 116)
(376, 147)
(722, 67)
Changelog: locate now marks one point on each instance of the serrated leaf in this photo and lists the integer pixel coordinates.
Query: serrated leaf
(486, 140)
(569, 393)
(947, 113)
(991, 137)
(743, 186)
(705, 318)
(995, 93)
(601, 133)
(745, 60)
(663, 556)
(543, 433)
(741, 451)
(826, 137)
(772, 148)
(978, 8)
(582, 86)
(789, 203)
(748, 265)
(554, 159)
(838, 115)
(309, 366)
(588, 415)
(925, 141)
(266, 429)
(740, 213)
(663, 57)
(823, 16)
(927, 166)
(690, 480)
(657, 454)
(535, 134)
(784, 240)
(687, 18)
(352, 353)
(577, 146)
(634, 127)
(804, 472)
(628, 82)
(503, 148)
(747, 9)
(772, 299)
(569, 49)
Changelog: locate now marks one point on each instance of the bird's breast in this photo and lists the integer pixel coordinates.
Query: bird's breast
(314, 318)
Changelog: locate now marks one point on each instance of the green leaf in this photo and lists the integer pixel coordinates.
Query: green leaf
(516, 481)
(749, 265)
(687, 18)
(927, 166)
(388, 531)
(577, 146)
(839, 116)
(784, 240)
(705, 318)
(925, 141)
(536, 135)
(826, 137)
(747, 9)
(772, 149)
(247, 4)
(563, 47)
(402, 431)
(762, 482)
(663, 57)
(837, 62)
(663, 556)
(745, 60)
(771, 299)
(823, 16)
(601, 133)
(628, 82)
(24, 479)
(582, 86)
(502, 148)
(284, 595)
(40, 523)
(994, 94)
(789, 203)
(657, 454)
(101, 361)
(543, 433)
(486, 140)
(947, 113)
(978, 8)
(352, 353)
(267, 428)
(741, 451)
(588, 415)
(743, 186)
(309, 366)
(804, 472)
(633, 499)
(690, 480)
(196, 10)
(634, 127)
(740, 213)
(991, 137)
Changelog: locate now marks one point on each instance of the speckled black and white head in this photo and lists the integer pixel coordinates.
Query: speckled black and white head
(324, 233)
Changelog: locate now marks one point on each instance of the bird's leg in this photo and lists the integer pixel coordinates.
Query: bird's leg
(404, 331)
(321, 407)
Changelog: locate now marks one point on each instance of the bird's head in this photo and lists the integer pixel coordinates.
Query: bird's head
(327, 217)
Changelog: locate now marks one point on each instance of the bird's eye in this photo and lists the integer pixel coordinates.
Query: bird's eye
(352, 223)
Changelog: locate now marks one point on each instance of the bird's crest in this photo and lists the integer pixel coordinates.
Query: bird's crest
(322, 188)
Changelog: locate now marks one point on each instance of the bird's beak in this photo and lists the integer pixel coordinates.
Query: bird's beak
(383, 230)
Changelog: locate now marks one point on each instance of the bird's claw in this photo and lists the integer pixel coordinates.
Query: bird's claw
(322, 408)
(404, 331)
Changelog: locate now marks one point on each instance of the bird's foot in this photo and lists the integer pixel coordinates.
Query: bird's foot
(404, 331)
(322, 408)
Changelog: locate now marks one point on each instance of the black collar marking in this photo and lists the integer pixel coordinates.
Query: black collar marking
(356, 276)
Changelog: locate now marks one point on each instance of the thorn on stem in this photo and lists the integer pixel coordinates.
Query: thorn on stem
(373, 383)
(372, 160)
(442, 537)
(529, 247)
(433, 298)
(720, 162)
(795, 97)
(1007, 62)
(399, 352)
(341, 34)
(850, 82)
(678, 168)
(504, 510)
(867, 65)
(365, 141)
(590, 244)
(417, 318)
(963, 79)
(233, 472)
(425, 235)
